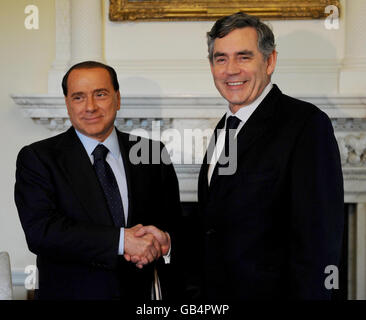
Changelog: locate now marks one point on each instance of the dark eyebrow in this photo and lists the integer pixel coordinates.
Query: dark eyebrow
(95, 91)
(246, 53)
(219, 54)
(77, 94)
(240, 53)
(101, 89)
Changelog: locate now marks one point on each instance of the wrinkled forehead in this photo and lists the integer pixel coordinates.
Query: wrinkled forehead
(98, 77)
(241, 39)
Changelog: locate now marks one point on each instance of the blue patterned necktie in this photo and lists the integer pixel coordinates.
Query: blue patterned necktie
(109, 185)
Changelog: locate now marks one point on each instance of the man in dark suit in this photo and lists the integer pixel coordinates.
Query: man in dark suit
(90, 211)
(272, 217)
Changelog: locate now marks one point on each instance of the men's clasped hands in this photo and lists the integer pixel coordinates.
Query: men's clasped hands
(144, 244)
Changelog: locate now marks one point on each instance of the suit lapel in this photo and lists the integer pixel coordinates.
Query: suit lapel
(124, 147)
(203, 181)
(75, 163)
(257, 124)
(203, 188)
(219, 126)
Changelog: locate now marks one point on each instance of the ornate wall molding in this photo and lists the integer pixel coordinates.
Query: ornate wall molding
(352, 148)
(347, 112)
(189, 106)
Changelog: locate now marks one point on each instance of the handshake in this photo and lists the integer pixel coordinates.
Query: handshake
(144, 244)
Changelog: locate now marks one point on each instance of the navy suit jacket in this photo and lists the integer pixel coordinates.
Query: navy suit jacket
(68, 226)
(269, 230)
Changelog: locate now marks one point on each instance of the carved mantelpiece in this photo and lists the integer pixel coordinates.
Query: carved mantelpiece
(347, 112)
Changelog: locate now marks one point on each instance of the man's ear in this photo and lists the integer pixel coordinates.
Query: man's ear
(211, 65)
(271, 62)
(67, 105)
(118, 100)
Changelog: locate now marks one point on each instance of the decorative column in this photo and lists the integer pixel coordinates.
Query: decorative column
(361, 251)
(78, 37)
(62, 45)
(353, 73)
(86, 31)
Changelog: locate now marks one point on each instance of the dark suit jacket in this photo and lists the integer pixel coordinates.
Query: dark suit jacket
(68, 226)
(270, 229)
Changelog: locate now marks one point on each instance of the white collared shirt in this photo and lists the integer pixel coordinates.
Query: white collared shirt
(243, 114)
(114, 159)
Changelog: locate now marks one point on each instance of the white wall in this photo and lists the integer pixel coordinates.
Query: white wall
(25, 57)
(170, 57)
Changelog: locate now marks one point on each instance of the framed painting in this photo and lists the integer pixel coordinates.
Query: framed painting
(190, 10)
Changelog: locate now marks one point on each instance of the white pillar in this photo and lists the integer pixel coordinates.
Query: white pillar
(86, 31)
(353, 73)
(79, 37)
(62, 45)
(361, 252)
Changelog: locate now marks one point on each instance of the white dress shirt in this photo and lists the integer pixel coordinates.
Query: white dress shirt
(243, 114)
(114, 159)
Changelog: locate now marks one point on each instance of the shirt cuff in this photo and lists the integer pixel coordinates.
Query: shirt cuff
(121, 248)
(167, 256)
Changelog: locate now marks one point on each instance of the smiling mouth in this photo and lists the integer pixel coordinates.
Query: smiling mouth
(92, 119)
(235, 84)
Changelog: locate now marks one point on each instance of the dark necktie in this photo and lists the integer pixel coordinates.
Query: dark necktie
(109, 185)
(232, 123)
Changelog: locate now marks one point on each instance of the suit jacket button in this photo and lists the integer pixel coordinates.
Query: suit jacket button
(210, 232)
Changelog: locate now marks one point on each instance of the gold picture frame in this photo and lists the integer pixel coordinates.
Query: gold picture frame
(191, 10)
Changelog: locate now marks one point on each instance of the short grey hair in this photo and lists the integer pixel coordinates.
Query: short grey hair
(223, 26)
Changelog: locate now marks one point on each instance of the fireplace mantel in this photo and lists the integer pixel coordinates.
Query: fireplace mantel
(184, 106)
(347, 112)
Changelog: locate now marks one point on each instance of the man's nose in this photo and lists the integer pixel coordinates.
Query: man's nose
(90, 104)
(232, 67)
